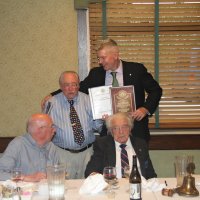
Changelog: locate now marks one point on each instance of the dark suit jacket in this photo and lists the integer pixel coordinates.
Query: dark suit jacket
(105, 155)
(133, 74)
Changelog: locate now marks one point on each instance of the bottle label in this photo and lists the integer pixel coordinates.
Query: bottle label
(135, 191)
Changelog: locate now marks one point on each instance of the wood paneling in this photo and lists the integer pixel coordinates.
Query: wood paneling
(174, 142)
(157, 142)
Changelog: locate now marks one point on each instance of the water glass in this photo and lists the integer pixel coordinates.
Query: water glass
(181, 163)
(56, 181)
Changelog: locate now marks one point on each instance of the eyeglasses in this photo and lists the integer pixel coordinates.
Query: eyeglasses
(122, 128)
(73, 85)
(101, 58)
(53, 126)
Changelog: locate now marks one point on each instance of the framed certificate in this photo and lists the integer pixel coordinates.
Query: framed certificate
(109, 100)
(100, 101)
(123, 99)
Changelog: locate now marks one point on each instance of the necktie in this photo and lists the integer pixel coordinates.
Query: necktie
(115, 81)
(76, 125)
(124, 158)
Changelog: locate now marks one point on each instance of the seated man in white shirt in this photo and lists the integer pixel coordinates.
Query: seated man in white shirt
(107, 150)
(31, 152)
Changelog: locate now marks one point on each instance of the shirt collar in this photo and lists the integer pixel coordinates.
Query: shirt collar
(34, 143)
(119, 69)
(128, 143)
(75, 99)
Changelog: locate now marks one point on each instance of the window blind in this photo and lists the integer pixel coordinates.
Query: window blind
(132, 24)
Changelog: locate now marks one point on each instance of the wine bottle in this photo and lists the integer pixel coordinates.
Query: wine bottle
(135, 181)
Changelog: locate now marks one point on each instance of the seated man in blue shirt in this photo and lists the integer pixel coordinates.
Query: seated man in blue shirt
(31, 152)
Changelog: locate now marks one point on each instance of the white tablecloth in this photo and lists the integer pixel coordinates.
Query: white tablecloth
(72, 192)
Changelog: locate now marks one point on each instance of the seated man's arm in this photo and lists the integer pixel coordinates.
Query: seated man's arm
(8, 160)
(36, 177)
(142, 152)
(96, 162)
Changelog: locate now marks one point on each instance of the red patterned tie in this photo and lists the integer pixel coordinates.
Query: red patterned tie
(124, 158)
(76, 124)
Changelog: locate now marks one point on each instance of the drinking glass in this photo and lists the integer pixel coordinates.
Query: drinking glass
(127, 171)
(16, 175)
(109, 174)
(56, 181)
(181, 163)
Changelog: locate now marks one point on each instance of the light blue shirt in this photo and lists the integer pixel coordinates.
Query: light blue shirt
(60, 110)
(24, 153)
(119, 76)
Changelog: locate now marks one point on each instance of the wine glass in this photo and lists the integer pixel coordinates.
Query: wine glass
(127, 171)
(109, 174)
(16, 177)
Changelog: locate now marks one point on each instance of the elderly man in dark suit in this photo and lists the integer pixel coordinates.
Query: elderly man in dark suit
(107, 150)
(128, 73)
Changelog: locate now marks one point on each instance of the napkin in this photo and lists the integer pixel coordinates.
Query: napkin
(43, 188)
(93, 184)
(9, 183)
(152, 185)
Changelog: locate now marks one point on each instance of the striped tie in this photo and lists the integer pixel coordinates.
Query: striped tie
(124, 158)
(76, 124)
(115, 81)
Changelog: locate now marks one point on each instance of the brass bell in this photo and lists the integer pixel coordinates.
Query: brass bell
(188, 187)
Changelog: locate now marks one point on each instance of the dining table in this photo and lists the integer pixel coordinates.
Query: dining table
(121, 192)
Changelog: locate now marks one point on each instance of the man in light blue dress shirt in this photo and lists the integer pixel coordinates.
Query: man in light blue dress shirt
(32, 152)
(75, 155)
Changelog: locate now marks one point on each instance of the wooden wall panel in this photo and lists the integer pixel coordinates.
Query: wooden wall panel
(157, 142)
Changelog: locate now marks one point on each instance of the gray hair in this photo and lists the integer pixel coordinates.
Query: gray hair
(68, 72)
(109, 43)
(119, 115)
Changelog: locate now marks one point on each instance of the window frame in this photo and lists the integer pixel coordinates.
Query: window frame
(84, 69)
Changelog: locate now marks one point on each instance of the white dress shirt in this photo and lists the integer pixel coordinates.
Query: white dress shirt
(130, 152)
(119, 76)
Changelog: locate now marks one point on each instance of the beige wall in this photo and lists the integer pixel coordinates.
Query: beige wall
(163, 161)
(38, 40)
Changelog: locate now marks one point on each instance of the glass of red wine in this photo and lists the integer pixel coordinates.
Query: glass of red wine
(109, 174)
(16, 175)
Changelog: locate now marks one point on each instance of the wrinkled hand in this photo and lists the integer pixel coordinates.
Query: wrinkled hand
(36, 177)
(45, 100)
(140, 113)
(94, 173)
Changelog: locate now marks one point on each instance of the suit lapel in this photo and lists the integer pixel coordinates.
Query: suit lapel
(102, 77)
(110, 151)
(127, 75)
(140, 154)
